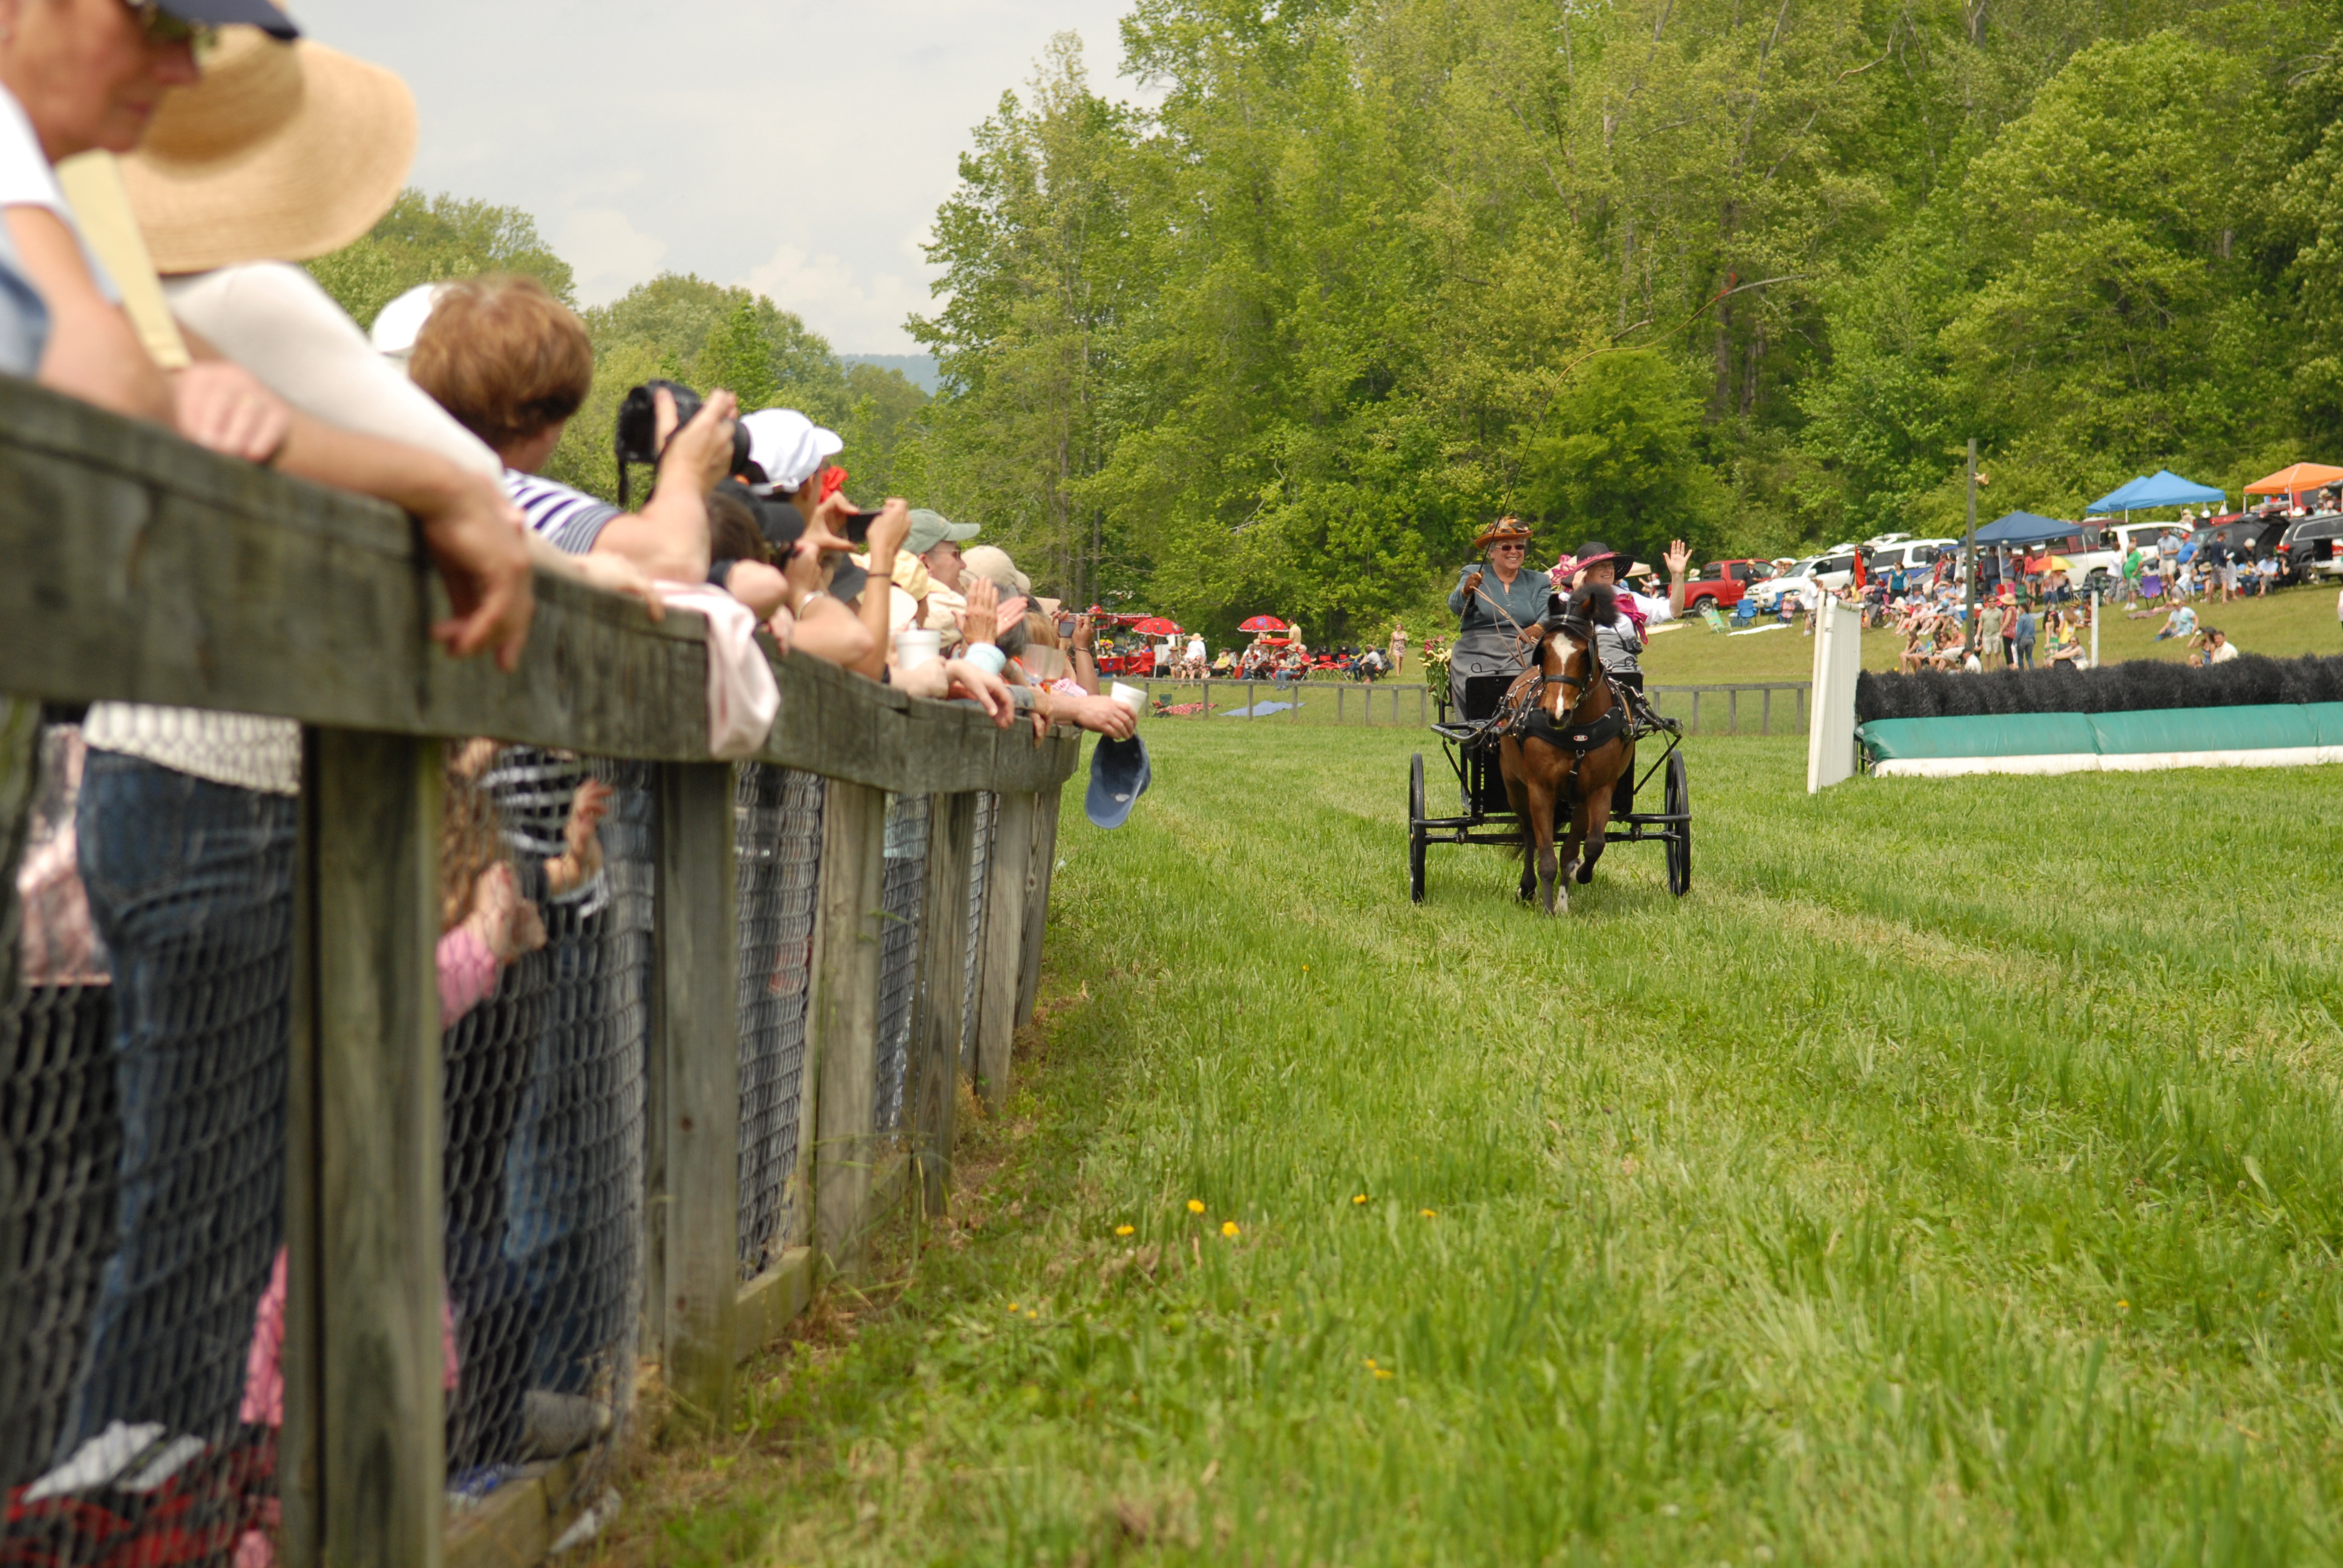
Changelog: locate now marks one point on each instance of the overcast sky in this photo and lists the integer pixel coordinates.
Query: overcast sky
(799, 148)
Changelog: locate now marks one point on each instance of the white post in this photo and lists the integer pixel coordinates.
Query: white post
(2095, 628)
(1830, 731)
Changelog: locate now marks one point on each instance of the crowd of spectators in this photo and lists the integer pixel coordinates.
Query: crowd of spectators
(163, 165)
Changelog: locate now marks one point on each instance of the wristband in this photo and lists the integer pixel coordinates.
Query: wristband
(987, 656)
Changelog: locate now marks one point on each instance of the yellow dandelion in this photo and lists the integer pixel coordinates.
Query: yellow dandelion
(1195, 1205)
(2122, 1306)
(1370, 1361)
(1429, 1213)
(1032, 1314)
(1228, 1227)
(1360, 1199)
(1383, 1372)
(1305, 969)
(1012, 1306)
(1124, 1229)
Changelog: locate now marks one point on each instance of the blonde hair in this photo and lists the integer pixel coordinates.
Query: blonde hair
(471, 835)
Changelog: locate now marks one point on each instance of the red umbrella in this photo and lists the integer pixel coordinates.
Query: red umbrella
(1264, 623)
(1156, 626)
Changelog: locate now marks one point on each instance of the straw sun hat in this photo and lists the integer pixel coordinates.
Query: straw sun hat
(282, 152)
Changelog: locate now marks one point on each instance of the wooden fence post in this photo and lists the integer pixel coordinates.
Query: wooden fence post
(931, 1088)
(699, 961)
(1037, 901)
(842, 1022)
(999, 966)
(362, 1466)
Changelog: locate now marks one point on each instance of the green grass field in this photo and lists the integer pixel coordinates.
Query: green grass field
(1953, 1177)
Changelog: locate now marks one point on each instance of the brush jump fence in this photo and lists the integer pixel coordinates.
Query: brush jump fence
(251, 1156)
(1409, 702)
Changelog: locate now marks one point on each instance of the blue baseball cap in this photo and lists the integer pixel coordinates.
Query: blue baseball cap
(1119, 777)
(269, 19)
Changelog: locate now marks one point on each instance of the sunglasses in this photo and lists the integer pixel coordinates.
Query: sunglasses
(162, 26)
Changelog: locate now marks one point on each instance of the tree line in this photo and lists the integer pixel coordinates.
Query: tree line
(1749, 271)
(677, 326)
(1370, 272)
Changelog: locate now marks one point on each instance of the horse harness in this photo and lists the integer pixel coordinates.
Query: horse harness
(1524, 712)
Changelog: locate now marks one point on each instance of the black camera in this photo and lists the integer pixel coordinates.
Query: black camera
(637, 439)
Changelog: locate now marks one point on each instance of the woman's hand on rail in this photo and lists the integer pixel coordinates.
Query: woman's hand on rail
(983, 688)
(224, 406)
(477, 540)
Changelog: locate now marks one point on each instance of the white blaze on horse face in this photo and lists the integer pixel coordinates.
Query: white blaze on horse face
(1561, 700)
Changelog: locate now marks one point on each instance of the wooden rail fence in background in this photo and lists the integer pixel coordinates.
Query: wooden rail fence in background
(1409, 702)
(141, 569)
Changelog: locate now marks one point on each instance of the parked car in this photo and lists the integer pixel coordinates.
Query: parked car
(2313, 547)
(1913, 555)
(2145, 535)
(1723, 583)
(2248, 534)
(1829, 572)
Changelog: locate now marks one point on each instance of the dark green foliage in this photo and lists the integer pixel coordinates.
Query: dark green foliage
(424, 238)
(1618, 458)
(1358, 282)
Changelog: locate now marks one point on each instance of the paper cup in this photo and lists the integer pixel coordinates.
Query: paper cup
(916, 647)
(1130, 696)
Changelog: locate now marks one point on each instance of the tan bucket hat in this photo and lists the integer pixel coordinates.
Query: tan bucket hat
(282, 152)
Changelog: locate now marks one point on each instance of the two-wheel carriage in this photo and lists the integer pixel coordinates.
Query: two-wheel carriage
(1488, 815)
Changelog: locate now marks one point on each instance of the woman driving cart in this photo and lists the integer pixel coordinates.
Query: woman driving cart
(1492, 607)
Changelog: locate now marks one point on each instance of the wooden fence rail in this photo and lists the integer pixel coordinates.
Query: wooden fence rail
(143, 569)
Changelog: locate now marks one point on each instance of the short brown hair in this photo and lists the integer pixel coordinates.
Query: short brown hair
(504, 356)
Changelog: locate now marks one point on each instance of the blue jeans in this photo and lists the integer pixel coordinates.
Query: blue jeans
(191, 886)
(2026, 653)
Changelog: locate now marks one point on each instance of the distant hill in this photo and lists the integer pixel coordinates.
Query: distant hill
(919, 369)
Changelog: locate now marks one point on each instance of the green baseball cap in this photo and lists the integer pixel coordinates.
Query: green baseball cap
(929, 529)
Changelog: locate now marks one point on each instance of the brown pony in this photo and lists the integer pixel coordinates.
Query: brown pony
(1564, 745)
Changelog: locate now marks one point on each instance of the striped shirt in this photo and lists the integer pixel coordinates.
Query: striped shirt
(571, 519)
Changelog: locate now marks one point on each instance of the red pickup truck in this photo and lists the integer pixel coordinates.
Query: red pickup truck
(1721, 583)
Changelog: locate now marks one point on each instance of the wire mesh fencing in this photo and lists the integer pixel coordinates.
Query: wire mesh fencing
(902, 899)
(987, 809)
(778, 816)
(542, 1106)
(142, 1091)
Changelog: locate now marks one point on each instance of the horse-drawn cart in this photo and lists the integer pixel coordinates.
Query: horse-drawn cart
(1487, 816)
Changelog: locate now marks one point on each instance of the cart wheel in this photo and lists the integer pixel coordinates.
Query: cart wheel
(1415, 828)
(1677, 798)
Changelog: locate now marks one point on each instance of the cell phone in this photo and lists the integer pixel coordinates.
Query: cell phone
(1066, 626)
(855, 527)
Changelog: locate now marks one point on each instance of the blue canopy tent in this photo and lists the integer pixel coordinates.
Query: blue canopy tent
(2023, 529)
(2162, 489)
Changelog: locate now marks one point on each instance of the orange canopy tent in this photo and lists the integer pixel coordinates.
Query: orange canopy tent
(2294, 479)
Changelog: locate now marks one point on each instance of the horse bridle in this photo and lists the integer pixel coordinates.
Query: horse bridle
(1583, 629)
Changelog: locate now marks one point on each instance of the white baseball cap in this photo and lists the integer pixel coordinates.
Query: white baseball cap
(401, 321)
(789, 447)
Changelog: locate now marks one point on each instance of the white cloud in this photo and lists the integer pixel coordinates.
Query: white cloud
(860, 311)
(606, 252)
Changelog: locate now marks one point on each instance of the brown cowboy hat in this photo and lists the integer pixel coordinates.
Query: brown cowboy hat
(1505, 530)
(281, 153)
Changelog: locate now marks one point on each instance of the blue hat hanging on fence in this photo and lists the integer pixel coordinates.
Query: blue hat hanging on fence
(1119, 777)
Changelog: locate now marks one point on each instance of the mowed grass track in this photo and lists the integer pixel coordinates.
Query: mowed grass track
(1953, 1177)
